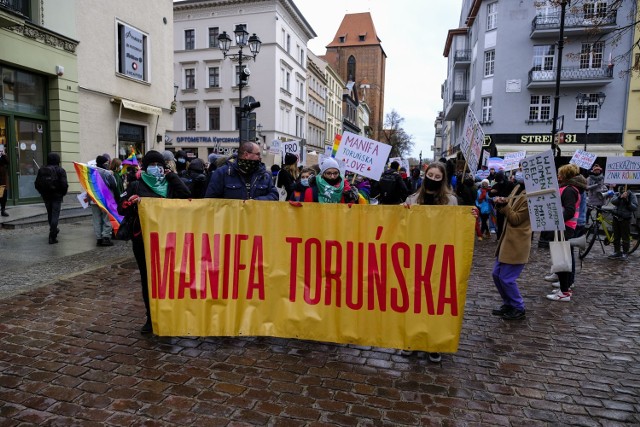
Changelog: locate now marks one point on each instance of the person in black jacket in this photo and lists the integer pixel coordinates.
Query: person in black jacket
(288, 174)
(53, 196)
(390, 189)
(502, 187)
(195, 179)
(155, 181)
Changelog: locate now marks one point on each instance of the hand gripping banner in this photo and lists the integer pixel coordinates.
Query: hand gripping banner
(384, 276)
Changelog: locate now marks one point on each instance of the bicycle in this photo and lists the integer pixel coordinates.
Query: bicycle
(602, 219)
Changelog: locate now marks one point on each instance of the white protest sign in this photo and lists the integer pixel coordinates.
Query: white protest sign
(292, 147)
(485, 157)
(545, 210)
(328, 150)
(622, 170)
(471, 142)
(512, 160)
(404, 163)
(275, 147)
(341, 165)
(583, 159)
(495, 163)
(362, 155)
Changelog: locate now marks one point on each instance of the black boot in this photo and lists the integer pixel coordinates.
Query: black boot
(4, 213)
(52, 239)
(106, 241)
(99, 242)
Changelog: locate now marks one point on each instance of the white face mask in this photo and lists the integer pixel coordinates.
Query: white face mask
(304, 181)
(157, 171)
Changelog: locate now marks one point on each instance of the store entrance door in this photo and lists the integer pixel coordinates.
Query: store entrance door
(29, 155)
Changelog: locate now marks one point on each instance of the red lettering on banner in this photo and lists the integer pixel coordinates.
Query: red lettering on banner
(160, 283)
(210, 268)
(423, 280)
(257, 263)
(403, 306)
(333, 276)
(237, 267)
(293, 272)
(226, 249)
(188, 268)
(448, 265)
(359, 297)
(377, 283)
(307, 272)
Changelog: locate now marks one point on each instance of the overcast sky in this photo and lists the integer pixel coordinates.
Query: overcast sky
(413, 33)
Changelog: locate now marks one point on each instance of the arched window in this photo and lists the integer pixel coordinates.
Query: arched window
(351, 69)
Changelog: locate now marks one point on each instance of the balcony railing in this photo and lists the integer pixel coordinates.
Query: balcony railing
(574, 20)
(18, 7)
(571, 74)
(462, 55)
(460, 96)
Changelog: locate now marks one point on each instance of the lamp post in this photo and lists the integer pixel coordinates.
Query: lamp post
(242, 40)
(585, 101)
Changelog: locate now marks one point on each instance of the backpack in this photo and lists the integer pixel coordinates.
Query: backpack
(388, 188)
(47, 180)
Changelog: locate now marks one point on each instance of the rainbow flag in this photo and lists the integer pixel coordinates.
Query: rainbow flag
(132, 160)
(336, 144)
(98, 191)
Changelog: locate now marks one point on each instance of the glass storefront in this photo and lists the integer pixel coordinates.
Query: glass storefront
(130, 136)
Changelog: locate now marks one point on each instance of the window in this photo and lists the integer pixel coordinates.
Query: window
(361, 37)
(489, 62)
(543, 57)
(540, 107)
(214, 77)
(238, 118)
(287, 81)
(238, 75)
(132, 53)
(300, 90)
(486, 109)
(591, 55)
(190, 78)
(591, 109)
(302, 57)
(594, 9)
(341, 38)
(190, 118)
(214, 118)
(214, 32)
(351, 69)
(189, 39)
(492, 16)
(288, 43)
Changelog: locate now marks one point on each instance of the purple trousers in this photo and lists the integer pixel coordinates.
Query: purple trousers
(505, 276)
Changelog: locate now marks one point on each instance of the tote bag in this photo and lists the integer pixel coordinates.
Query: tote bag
(560, 250)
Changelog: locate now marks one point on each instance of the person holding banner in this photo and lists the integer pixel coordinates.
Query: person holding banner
(155, 181)
(243, 177)
(512, 252)
(330, 186)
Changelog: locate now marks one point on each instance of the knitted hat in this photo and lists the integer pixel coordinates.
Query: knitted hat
(168, 156)
(101, 160)
(484, 181)
(152, 157)
(328, 163)
(290, 159)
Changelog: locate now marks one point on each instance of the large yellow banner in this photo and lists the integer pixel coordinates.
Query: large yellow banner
(384, 276)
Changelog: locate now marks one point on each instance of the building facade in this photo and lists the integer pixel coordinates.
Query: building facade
(356, 54)
(316, 103)
(39, 91)
(208, 92)
(502, 64)
(125, 76)
(631, 141)
(335, 88)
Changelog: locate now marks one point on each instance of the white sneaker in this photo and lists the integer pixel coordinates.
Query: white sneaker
(553, 277)
(556, 284)
(560, 296)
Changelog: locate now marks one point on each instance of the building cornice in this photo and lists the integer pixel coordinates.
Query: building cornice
(45, 36)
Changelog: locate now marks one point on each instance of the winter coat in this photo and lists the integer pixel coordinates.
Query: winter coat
(625, 208)
(62, 185)
(349, 194)
(196, 182)
(595, 188)
(227, 182)
(482, 201)
(515, 242)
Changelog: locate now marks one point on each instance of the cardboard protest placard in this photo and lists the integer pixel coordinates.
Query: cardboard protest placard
(275, 147)
(583, 159)
(362, 155)
(471, 141)
(512, 160)
(622, 170)
(404, 163)
(485, 157)
(543, 195)
(495, 163)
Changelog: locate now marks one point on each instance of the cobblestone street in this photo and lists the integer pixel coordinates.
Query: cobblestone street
(71, 354)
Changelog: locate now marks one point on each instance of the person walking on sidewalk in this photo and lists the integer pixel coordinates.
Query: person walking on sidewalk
(4, 182)
(51, 183)
(155, 181)
(512, 252)
(626, 204)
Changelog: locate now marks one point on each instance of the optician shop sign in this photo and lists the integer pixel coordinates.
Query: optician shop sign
(133, 52)
(192, 139)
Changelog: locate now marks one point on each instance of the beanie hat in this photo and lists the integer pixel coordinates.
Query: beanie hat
(212, 157)
(168, 156)
(484, 181)
(107, 156)
(290, 159)
(152, 157)
(499, 176)
(101, 160)
(328, 163)
(196, 165)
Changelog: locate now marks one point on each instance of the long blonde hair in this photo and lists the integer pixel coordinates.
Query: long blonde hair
(293, 170)
(443, 194)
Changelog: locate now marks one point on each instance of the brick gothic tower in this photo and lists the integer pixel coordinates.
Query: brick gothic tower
(357, 55)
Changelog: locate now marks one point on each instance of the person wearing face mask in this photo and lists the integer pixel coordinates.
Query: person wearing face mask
(330, 186)
(435, 190)
(243, 177)
(595, 187)
(181, 162)
(155, 181)
(302, 184)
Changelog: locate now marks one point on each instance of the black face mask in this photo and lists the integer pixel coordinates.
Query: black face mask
(432, 185)
(247, 166)
(332, 181)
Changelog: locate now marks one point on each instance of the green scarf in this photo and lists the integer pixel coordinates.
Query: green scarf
(158, 186)
(328, 193)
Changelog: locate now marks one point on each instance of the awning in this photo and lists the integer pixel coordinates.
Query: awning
(602, 150)
(138, 106)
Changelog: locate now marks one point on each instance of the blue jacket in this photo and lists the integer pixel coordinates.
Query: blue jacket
(625, 208)
(228, 183)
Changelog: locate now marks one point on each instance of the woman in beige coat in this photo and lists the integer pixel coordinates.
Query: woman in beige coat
(512, 252)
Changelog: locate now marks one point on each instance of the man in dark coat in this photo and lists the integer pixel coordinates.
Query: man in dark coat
(52, 194)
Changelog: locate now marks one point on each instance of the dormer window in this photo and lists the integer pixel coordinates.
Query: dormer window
(341, 38)
(361, 37)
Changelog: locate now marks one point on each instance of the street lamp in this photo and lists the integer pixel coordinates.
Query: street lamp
(242, 40)
(586, 101)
